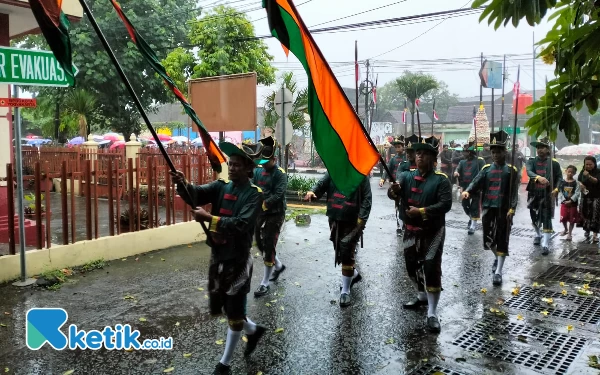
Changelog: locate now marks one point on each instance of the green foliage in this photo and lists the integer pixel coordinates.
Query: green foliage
(180, 65)
(165, 26)
(223, 37)
(295, 212)
(413, 86)
(572, 45)
(93, 265)
(300, 184)
(81, 103)
(299, 107)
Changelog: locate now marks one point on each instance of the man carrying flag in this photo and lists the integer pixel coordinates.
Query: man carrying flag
(235, 208)
(426, 197)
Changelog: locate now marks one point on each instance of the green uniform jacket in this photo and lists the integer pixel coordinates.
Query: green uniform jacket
(342, 208)
(468, 170)
(494, 181)
(431, 193)
(541, 168)
(405, 166)
(393, 166)
(234, 209)
(273, 183)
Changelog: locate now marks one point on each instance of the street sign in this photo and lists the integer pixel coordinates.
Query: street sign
(31, 67)
(289, 132)
(491, 74)
(283, 102)
(18, 102)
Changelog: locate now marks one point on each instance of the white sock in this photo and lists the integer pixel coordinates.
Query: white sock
(422, 296)
(278, 263)
(355, 273)
(473, 223)
(267, 276)
(249, 326)
(232, 339)
(546, 239)
(346, 280)
(501, 260)
(433, 299)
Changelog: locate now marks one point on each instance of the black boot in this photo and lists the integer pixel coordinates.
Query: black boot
(254, 338)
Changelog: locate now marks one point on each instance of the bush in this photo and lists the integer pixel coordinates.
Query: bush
(300, 184)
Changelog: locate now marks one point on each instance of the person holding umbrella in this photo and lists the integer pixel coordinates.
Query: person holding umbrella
(589, 180)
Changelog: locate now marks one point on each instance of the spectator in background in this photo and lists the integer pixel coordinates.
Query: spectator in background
(569, 190)
(589, 180)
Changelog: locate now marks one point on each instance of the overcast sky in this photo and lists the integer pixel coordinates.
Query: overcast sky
(455, 38)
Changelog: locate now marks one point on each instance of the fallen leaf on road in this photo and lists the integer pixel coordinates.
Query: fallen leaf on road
(219, 342)
(438, 373)
(163, 259)
(370, 303)
(522, 338)
(68, 372)
(297, 283)
(500, 301)
(257, 253)
(274, 301)
(259, 373)
(244, 339)
(586, 286)
(483, 290)
(189, 245)
(493, 310)
(177, 324)
(544, 313)
(519, 317)
(142, 319)
(390, 341)
(222, 320)
(516, 291)
(281, 308)
(536, 285)
(6, 313)
(200, 289)
(6, 369)
(124, 259)
(456, 285)
(268, 304)
(279, 330)
(492, 338)
(548, 300)
(564, 292)
(569, 328)
(150, 361)
(129, 350)
(187, 355)
(562, 283)
(424, 360)
(170, 369)
(129, 297)
(593, 361)
(2, 325)
(206, 296)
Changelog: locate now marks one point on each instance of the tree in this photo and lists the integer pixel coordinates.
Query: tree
(299, 107)
(224, 38)
(413, 86)
(43, 118)
(389, 97)
(81, 104)
(165, 25)
(572, 46)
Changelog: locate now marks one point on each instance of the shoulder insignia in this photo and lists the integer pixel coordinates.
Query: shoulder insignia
(222, 180)
(513, 167)
(256, 187)
(412, 170)
(487, 165)
(555, 160)
(481, 158)
(441, 174)
(281, 169)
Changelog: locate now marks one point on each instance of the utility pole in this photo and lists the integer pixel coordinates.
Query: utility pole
(533, 47)
(367, 97)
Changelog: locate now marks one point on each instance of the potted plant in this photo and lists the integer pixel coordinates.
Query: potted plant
(29, 209)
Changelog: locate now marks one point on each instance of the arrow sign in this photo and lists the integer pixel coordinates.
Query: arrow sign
(491, 74)
(18, 102)
(31, 67)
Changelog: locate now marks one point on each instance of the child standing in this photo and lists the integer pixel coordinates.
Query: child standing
(569, 189)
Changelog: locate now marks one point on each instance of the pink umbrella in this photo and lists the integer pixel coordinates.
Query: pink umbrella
(112, 137)
(164, 137)
(117, 144)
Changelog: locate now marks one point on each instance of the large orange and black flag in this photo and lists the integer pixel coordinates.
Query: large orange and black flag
(54, 25)
(338, 134)
(214, 153)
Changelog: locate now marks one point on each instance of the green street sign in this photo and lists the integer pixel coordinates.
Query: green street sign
(31, 68)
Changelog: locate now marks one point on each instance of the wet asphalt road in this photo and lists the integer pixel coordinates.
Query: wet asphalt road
(373, 336)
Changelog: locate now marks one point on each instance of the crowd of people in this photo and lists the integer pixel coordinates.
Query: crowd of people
(251, 205)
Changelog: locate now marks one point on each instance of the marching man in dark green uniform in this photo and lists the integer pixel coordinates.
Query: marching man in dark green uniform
(394, 162)
(347, 220)
(235, 208)
(540, 194)
(410, 162)
(272, 179)
(499, 183)
(467, 170)
(426, 197)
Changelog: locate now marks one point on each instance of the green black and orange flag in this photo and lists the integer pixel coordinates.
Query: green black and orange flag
(338, 134)
(55, 27)
(214, 153)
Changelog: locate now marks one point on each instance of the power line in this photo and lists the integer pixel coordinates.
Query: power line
(359, 13)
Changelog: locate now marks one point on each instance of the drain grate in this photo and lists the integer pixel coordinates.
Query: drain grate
(429, 369)
(572, 275)
(571, 307)
(590, 257)
(542, 349)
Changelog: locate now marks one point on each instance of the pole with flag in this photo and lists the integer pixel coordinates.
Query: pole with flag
(404, 119)
(516, 89)
(341, 139)
(356, 72)
(434, 117)
(418, 117)
(135, 98)
(475, 130)
(503, 80)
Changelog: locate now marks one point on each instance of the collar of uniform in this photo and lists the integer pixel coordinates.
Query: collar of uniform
(242, 183)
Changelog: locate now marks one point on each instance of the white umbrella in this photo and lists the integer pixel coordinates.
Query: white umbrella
(579, 150)
(180, 139)
(197, 142)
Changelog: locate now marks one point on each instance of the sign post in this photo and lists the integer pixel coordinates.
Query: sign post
(283, 107)
(31, 67)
